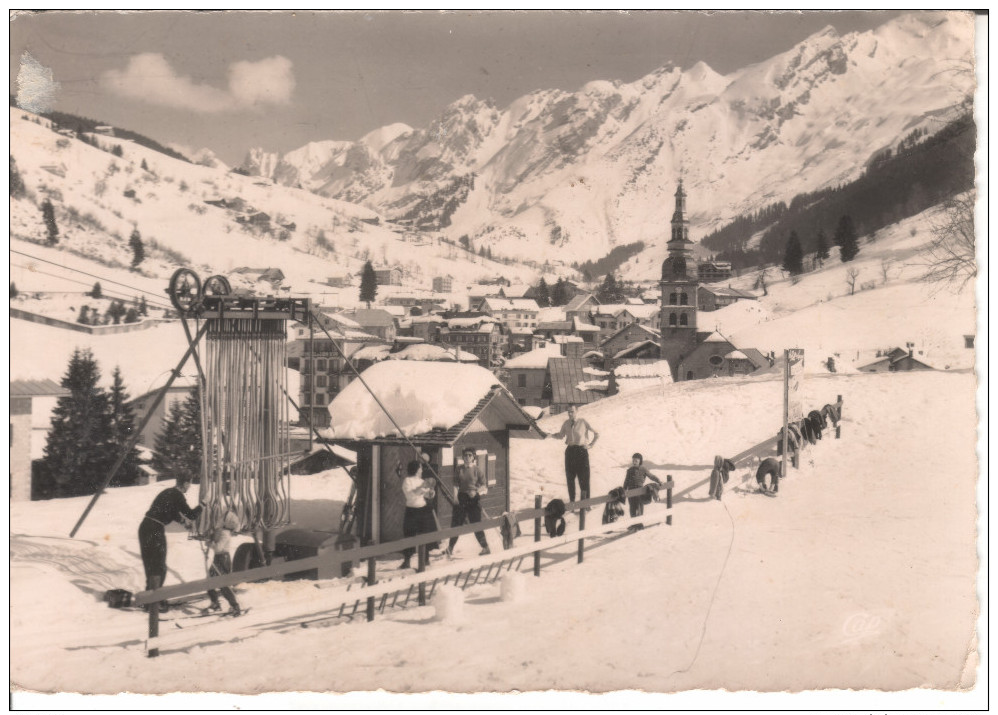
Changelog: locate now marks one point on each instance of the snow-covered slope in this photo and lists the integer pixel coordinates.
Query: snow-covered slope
(209, 219)
(595, 168)
(861, 574)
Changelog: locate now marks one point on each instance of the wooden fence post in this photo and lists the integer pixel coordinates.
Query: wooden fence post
(420, 568)
(537, 537)
(838, 425)
(668, 499)
(153, 626)
(372, 579)
(582, 527)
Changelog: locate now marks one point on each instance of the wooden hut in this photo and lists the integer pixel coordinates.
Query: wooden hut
(441, 408)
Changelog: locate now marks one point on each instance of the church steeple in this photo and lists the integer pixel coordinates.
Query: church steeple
(680, 279)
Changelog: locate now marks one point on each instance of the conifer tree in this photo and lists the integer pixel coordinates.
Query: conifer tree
(122, 426)
(368, 284)
(558, 296)
(793, 256)
(822, 249)
(178, 447)
(143, 308)
(543, 294)
(78, 454)
(138, 250)
(846, 239)
(16, 182)
(96, 291)
(13, 290)
(51, 228)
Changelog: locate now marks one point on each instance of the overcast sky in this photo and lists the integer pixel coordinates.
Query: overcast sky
(234, 80)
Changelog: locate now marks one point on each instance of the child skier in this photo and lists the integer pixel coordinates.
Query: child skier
(635, 477)
(218, 544)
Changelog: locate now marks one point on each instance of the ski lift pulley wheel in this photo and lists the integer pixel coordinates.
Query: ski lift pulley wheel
(185, 289)
(217, 285)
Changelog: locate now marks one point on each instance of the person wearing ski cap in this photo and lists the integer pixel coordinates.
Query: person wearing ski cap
(635, 477)
(419, 516)
(579, 437)
(471, 487)
(218, 562)
(169, 505)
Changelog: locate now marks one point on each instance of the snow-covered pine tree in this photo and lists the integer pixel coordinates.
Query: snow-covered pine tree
(543, 294)
(122, 427)
(178, 446)
(368, 284)
(78, 453)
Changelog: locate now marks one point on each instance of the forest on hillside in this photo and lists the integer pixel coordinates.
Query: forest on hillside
(897, 183)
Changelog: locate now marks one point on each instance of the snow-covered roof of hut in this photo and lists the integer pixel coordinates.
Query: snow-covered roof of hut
(736, 355)
(372, 352)
(422, 397)
(535, 359)
(425, 351)
(659, 368)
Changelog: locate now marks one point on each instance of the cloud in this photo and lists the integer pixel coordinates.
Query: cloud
(148, 77)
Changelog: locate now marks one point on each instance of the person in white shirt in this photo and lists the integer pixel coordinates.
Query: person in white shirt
(419, 517)
(579, 437)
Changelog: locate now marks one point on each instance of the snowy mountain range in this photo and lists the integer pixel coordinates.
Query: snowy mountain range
(589, 170)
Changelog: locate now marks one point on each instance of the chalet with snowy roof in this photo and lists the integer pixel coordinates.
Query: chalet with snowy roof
(581, 306)
(511, 312)
(441, 409)
(897, 360)
(29, 426)
(714, 297)
(575, 382)
(527, 376)
(273, 276)
(376, 321)
(629, 335)
(712, 271)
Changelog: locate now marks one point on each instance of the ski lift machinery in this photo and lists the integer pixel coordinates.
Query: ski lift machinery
(245, 415)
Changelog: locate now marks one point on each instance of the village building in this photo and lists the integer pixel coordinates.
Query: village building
(575, 382)
(581, 306)
(441, 409)
(511, 312)
(712, 271)
(321, 361)
(272, 276)
(715, 356)
(629, 334)
(388, 276)
(376, 321)
(897, 360)
(443, 284)
(484, 336)
(712, 298)
(177, 392)
(527, 377)
(31, 404)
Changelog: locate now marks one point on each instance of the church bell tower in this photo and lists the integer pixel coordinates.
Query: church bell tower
(679, 290)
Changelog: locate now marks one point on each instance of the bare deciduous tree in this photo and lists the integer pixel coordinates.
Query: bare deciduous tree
(851, 275)
(886, 264)
(951, 258)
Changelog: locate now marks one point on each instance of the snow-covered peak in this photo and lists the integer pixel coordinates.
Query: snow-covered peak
(381, 137)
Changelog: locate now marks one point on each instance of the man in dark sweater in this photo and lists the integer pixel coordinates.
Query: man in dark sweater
(169, 505)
